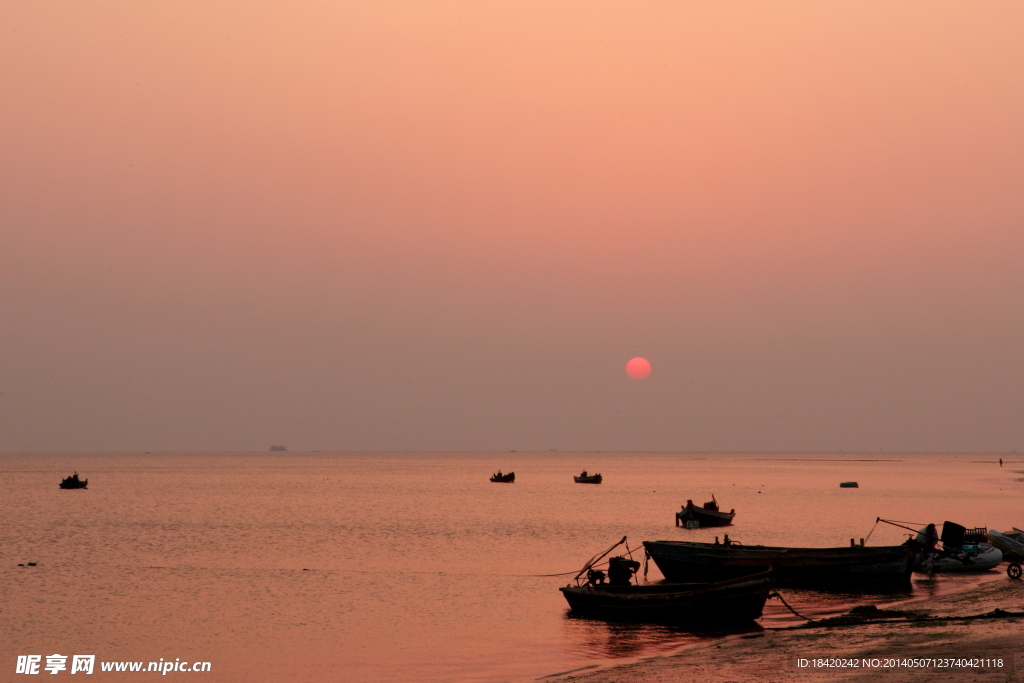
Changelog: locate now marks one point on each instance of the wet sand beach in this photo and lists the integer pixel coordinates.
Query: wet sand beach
(772, 655)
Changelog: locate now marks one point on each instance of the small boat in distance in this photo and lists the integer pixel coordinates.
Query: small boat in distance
(73, 482)
(848, 485)
(277, 447)
(504, 478)
(693, 517)
(585, 478)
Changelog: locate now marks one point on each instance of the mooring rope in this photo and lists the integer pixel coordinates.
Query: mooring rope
(575, 571)
(788, 606)
(897, 521)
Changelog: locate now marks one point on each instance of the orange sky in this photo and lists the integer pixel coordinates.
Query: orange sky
(449, 225)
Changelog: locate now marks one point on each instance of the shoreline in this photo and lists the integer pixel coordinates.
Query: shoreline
(771, 654)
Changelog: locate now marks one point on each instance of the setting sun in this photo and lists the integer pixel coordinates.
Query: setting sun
(638, 368)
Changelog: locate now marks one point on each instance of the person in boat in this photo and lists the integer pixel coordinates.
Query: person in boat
(498, 474)
(583, 473)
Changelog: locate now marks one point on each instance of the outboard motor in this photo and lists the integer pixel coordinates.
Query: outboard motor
(952, 535)
(621, 570)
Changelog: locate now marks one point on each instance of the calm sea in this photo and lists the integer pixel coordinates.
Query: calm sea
(387, 567)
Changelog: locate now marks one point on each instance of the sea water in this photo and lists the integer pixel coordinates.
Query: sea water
(386, 567)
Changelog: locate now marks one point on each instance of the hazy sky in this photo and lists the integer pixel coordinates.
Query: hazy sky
(445, 225)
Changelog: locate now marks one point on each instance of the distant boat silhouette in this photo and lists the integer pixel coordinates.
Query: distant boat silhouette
(693, 517)
(585, 478)
(277, 447)
(504, 478)
(73, 482)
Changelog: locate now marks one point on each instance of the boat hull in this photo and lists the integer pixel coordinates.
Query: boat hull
(986, 558)
(592, 479)
(509, 478)
(735, 601)
(886, 567)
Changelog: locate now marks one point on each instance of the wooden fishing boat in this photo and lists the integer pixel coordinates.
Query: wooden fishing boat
(692, 516)
(622, 597)
(585, 478)
(504, 478)
(734, 601)
(856, 566)
(73, 482)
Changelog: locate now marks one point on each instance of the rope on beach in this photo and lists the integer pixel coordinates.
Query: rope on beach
(834, 622)
(788, 606)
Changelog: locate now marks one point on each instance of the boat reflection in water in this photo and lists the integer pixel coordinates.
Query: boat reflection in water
(616, 639)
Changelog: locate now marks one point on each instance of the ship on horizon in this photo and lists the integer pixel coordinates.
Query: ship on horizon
(277, 447)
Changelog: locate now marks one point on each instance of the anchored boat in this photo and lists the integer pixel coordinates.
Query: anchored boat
(694, 517)
(856, 566)
(504, 478)
(585, 478)
(735, 601)
(73, 482)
